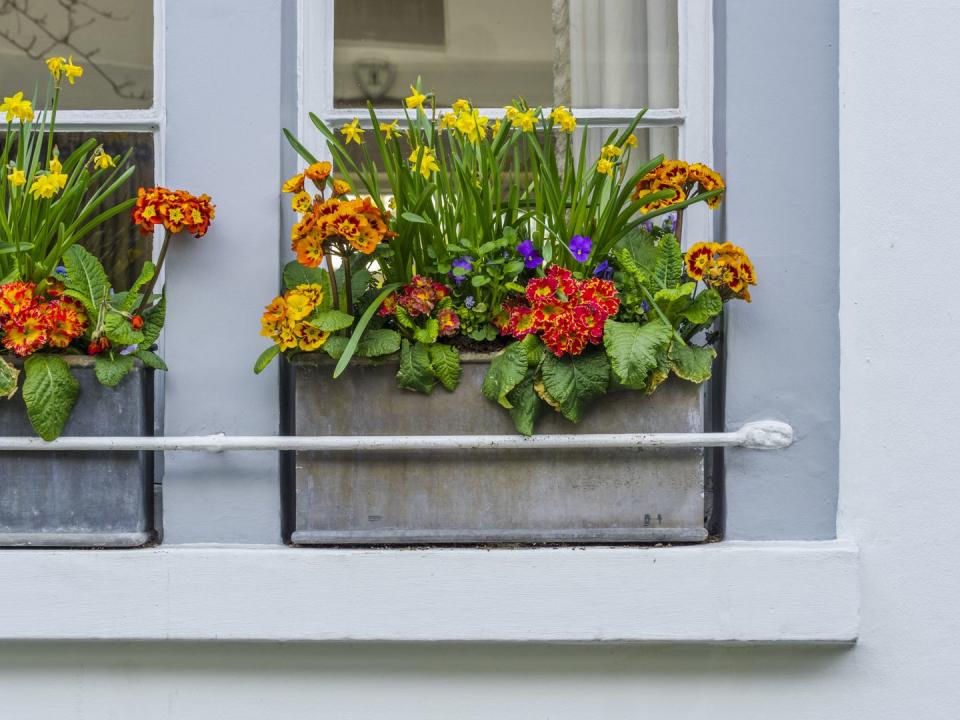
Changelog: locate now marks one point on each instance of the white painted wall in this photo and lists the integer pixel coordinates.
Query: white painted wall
(899, 116)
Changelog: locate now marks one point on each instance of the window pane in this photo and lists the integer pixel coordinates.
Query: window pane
(111, 39)
(584, 53)
(118, 243)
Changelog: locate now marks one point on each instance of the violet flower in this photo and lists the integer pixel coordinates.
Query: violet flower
(469, 302)
(580, 247)
(466, 264)
(603, 270)
(531, 258)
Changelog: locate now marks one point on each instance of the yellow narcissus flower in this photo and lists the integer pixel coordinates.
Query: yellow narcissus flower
(495, 128)
(17, 178)
(604, 166)
(301, 202)
(524, 120)
(460, 105)
(55, 66)
(72, 71)
(632, 140)
(55, 166)
(510, 112)
(415, 100)
(17, 108)
(448, 120)
(390, 130)
(428, 163)
(102, 161)
(562, 117)
(43, 187)
(472, 125)
(353, 132)
(611, 151)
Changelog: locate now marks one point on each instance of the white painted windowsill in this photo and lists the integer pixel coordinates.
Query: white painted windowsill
(796, 592)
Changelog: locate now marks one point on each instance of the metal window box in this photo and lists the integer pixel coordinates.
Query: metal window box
(487, 496)
(81, 499)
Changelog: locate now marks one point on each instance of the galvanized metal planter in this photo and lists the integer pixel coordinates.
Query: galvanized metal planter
(81, 499)
(487, 496)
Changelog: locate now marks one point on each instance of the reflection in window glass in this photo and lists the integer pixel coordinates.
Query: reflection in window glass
(111, 39)
(118, 243)
(584, 53)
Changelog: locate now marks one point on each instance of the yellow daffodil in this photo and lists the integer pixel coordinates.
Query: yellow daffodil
(72, 71)
(353, 132)
(428, 163)
(17, 178)
(17, 108)
(562, 117)
(102, 161)
(390, 130)
(604, 166)
(524, 120)
(472, 125)
(447, 121)
(43, 187)
(632, 140)
(495, 128)
(460, 105)
(55, 166)
(611, 151)
(416, 99)
(55, 66)
(510, 112)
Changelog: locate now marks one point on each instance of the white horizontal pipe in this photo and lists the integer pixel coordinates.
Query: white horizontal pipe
(763, 435)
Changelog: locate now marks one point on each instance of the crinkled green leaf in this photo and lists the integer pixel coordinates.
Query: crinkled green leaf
(534, 347)
(669, 267)
(445, 361)
(49, 392)
(330, 320)
(86, 279)
(336, 344)
(266, 357)
(575, 381)
(705, 306)
(428, 333)
(374, 343)
(632, 348)
(151, 359)
(692, 362)
(153, 318)
(112, 368)
(526, 405)
(120, 332)
(415, 371)
(674, 301)
(9, 376)
(506, 371)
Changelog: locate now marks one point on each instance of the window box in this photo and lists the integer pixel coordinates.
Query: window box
(487, 496)
(68, 499)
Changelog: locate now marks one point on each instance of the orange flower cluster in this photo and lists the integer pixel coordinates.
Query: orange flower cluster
(683, 179)
(567, 313)
(356, 224)
(726, 268)
(30, 321)
(176, 210)
(285, 320)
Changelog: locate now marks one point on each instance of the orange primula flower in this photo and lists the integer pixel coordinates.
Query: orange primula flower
(176, 210)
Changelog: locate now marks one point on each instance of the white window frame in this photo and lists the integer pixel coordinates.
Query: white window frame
(693, 118)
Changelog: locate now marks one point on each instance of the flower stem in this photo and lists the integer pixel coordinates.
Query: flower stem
(347, 284)
(678, 230)
(333, 282)
(53, 122)
(148, 290)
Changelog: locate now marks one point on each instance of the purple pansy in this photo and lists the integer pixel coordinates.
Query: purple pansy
(465, 263)
(669, 223)
(647, 225)
(603, 270)
(580, 247)
(469, 301)
(531, 258)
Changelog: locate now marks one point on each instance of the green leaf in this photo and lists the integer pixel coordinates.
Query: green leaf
(336, 344)
(479, 280)
(414, 218)
(506, 371)
(49, 392)
(296, 274)
(151, 359)
(669, 267)
(575, 381)
(153, 321)
(674, 301)
(120, 332)
(111, 368)
(415, 371)
(132, 296)
(351, 346)
(428, 333)
(86, 279)
(266, 357)
(445, 362)
(375, 343)
(706, 306)
(330, 320)
(692, 362)
(526, 405)
(531, 343)
(8, 379)
(632, 348)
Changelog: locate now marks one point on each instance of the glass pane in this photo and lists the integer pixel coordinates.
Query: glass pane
(584, 53)
(118, 243)
(111, 39)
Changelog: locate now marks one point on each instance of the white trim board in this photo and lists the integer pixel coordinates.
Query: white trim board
(731, 592)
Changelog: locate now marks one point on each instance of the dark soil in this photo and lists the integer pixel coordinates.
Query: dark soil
(466, 344)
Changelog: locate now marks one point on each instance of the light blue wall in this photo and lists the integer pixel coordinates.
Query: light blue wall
(778, 112)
